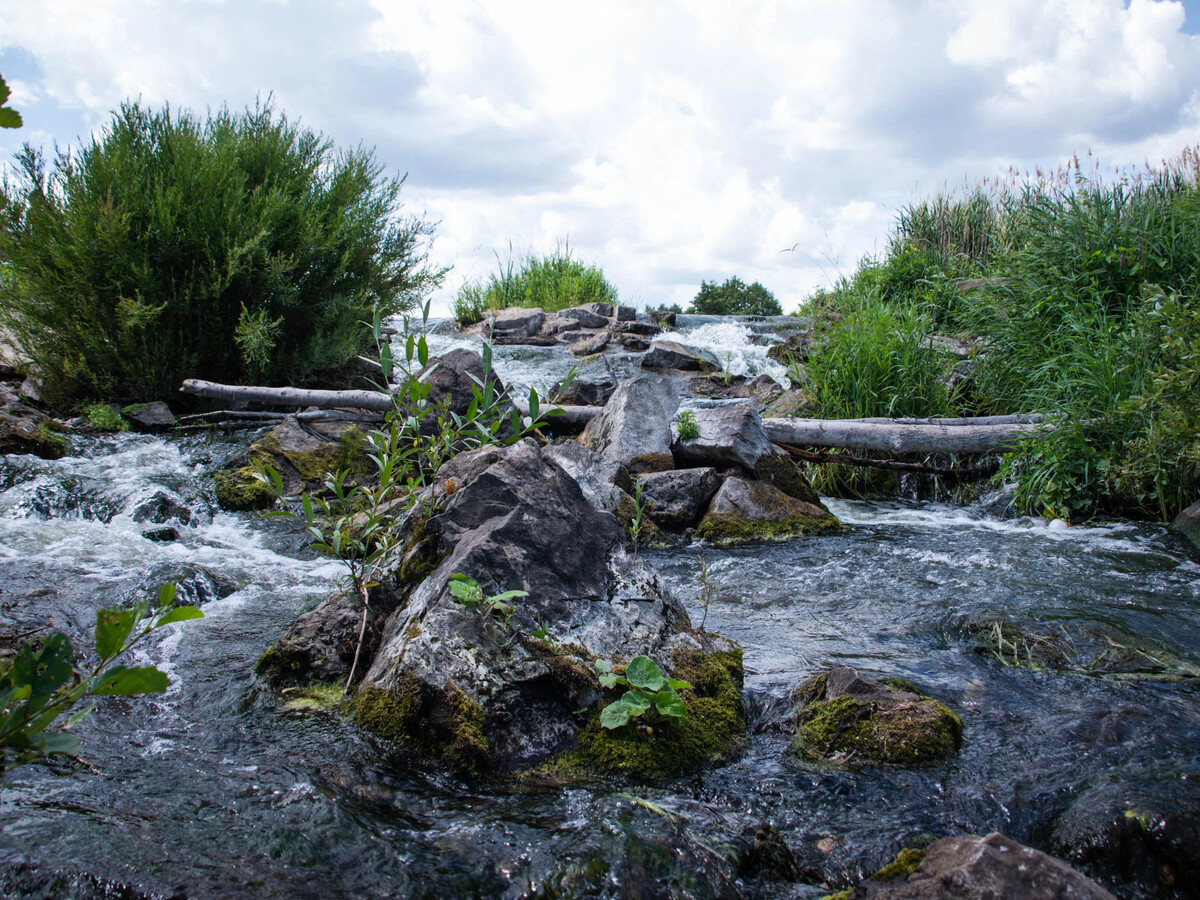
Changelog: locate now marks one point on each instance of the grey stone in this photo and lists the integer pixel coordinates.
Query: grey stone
(527, 322)
(673, 355)
(745, 511)
(1187, 523)
(559, 325)
(585, 317)
(162, 535)
(453, 377)
(729, 435)
(581, 392)
(675, 499)
(986, 868)
(156, 416)
(642, 329)
(633, 343)
(160, 508)
(626, 313)
(634, 428)
(591, 345)
(604, 483)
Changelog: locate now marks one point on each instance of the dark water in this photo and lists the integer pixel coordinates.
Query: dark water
(217, 789)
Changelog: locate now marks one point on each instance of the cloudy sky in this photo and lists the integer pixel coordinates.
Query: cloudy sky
(668, 142)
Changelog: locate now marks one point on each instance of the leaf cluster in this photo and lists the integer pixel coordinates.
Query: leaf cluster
(651, 695)
(495, 608)
(685, 422)
(42, 683)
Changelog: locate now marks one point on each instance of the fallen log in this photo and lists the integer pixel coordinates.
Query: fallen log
(893, 438)
(318, 415)
(982, 470)
(289, 396)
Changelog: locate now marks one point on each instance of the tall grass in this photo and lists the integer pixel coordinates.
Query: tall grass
(1086, 309)
(553, 282)
(240, 247)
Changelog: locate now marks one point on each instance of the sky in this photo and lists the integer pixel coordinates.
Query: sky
(668, 143)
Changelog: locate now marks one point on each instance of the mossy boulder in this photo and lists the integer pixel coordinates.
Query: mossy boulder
(842, 716)
(304, 455)
(713, 726)
(25, 430)
(745, 511)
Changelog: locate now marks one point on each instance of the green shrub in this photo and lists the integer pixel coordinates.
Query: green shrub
(104, 417)
(735, 298)
(551, 282)
(237, 248)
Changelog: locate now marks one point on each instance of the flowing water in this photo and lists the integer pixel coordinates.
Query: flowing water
(219, 789)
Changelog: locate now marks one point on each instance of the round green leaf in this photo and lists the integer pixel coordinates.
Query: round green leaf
(643, 672)
(614, 715)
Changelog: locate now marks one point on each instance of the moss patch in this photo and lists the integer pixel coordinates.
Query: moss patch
(240, 490)
(711, 729)
(444, 724)
(778, 470)
(721, 529)
(905, 863)
(279, 667)
(315, 696)
(346, 452)
(899, 733)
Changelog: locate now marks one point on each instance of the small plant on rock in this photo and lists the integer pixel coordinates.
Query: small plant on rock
(689, 428)
(651, 695)
(496, 609)
(639, 514)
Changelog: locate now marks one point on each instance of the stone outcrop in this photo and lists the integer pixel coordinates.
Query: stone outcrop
(634, 428)
(983, 868)
(744, 511)
(605, 483)
(479, 692)
(673, 355)
(515, 321)
(25, 430)
(844, 716)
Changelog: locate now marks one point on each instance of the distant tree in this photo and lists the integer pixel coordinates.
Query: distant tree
(9, 117)
(735, 298)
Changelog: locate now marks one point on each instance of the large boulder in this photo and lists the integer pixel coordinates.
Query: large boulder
(605, 483)
(587, 318)
(674, 355)
(1187, 523)
(844, 716)
(515, 321)
(25, 430)
(590, 345)
(744, 511)
(634, 428)
(982, 868)
(676, 499)
(152, 417)
(480, 692)
(583, 392)
(452, 376)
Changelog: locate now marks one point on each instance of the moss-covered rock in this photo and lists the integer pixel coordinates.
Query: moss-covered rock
(902, 866)
(239, 489)
(845, 717)
(746, 511)
(711, 729)
(446, 725)
(25, 430)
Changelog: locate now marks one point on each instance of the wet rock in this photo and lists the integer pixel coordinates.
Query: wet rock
(515, 321)
(1187, 523)
(590, 345)
(151, 417)
(163, 535)
(633, 343)
(1140, 832)
(745, 511)
(634, 429)
(675, 499)
(1019, 646)
(24, 430)
(984, 868)
(581, 392)
(587, 318)
(847, 717)
(477, 691)
(673, 355)
(795, 346)
(604, 483)
(304, 454)
(626, 314)
(160, 508)
(641, 329)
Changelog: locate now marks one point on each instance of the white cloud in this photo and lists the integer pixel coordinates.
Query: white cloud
(670, 142)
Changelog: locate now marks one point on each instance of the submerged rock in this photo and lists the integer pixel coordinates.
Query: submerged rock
(673, 355)
(844, 716)
(744, 511)
(980, 868)
(477, 690)
(634, 429)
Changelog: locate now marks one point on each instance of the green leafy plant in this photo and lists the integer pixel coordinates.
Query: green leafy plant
(42, 684)
(651, 696)
(236, 247)
(685, 422)
(497, 608)
(637, 520)
(9, 117)
(707, 588)
(103, 417)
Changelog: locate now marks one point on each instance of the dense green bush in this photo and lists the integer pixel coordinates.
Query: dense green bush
(735, 298)
(238, 248)
(552, 282)
(1086, 309)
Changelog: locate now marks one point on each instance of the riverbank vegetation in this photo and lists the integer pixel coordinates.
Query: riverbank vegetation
(241, 247)
(1078, 294)
(553, 282)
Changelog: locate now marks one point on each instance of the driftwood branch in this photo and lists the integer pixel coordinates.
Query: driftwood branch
(317, 415)
(893, 438)
(289, 396)
(894, 465)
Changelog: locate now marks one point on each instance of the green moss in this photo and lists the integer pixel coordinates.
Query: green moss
(905, 733)
(711, 728)
(445, 724)
(901, 684)
(847, 894)
(102, 417)
(905, 863)
(810, 691)
(347, 452)
(651, 536)
(50, 444)
(315, 696)
(718, 529)
(778, 470)
(239, 490)
(652, 462)
(278, 667)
